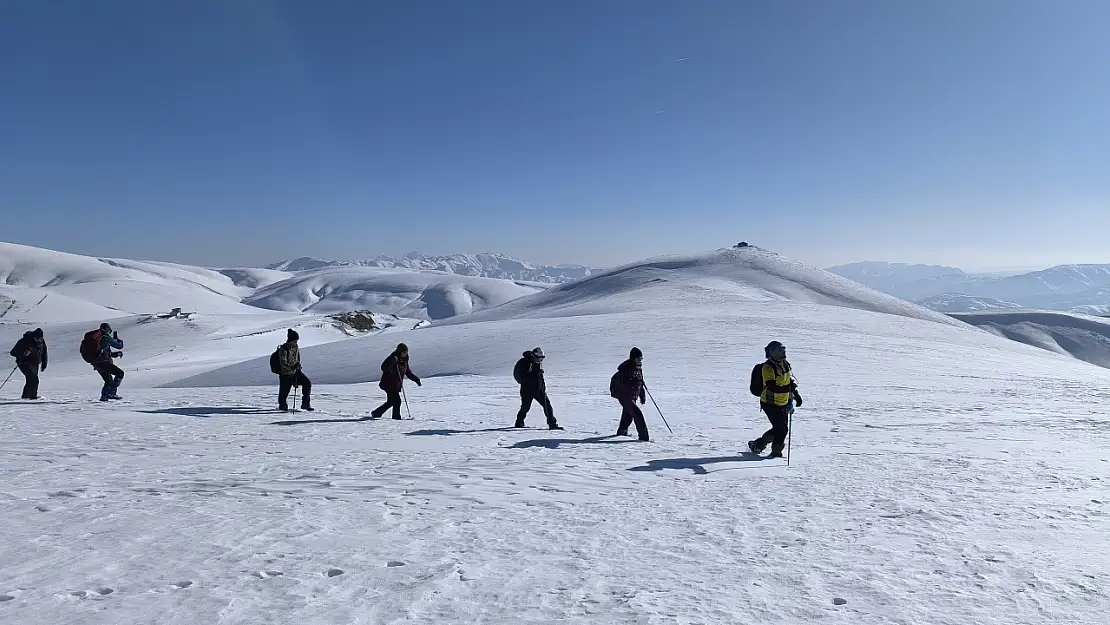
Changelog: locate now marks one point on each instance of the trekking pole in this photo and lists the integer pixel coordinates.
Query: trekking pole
(9, 376)
(657, 409)
(789, 435)
(406, 397)
(295, 390)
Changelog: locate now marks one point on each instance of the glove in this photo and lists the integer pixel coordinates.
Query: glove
(117, 354)
(115, 335)
(44, 368)
(798, 401)
(418, 382)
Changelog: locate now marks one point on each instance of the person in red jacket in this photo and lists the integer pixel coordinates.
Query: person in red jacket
(395, 368)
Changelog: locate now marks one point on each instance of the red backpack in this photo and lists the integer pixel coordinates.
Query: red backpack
(90, 346)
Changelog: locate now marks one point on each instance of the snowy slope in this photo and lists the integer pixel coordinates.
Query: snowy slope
(688, 299)
(1084, 337)
(888, 277)
(958, 303)
(939, 474)
(691, 282)
(125, 286)
(407, 293)
(500, 266)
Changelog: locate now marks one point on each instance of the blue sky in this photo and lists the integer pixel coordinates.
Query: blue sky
(222, 133)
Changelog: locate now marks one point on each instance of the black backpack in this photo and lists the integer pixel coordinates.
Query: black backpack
(615, 385)
(756, 386)
(275, 361)
(518, 371)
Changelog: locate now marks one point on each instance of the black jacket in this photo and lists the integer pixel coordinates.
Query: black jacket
(529, 374)
(38, 356)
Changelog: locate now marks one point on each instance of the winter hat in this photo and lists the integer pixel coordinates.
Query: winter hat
(105, 328)
(37, 333)
(635, 353)
(538, 353)
(402, 348)
(292, 335)
(773, 347)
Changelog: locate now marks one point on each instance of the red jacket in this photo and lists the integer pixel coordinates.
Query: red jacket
(394, 370)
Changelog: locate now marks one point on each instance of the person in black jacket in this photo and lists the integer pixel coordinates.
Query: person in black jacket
(629, 387)
(31, 357)
(528, 372)
(395, 368)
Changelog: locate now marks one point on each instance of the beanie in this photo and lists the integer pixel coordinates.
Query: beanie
(292, 335)
(401, 347)
(37, 333)
(635, 353)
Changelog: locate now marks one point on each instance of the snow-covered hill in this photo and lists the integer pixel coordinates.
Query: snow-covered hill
(682, 298)
(1082, 336)
(939, 473)
(958, 303)
(45, 285)
(1060, 288)
(499, 266)
(403, 292)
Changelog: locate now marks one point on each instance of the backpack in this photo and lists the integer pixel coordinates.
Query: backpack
(518, 372)
(90, 346)
(275, 361)
(756, 386)
(615, 385)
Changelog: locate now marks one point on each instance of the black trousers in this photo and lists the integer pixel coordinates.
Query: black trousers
(526, 399)
(779, 416)
(392, 400)
(31, 372)
(632, 413)
(286, 384)
(111, 374)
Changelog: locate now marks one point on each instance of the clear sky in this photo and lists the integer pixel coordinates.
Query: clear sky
(595, 131)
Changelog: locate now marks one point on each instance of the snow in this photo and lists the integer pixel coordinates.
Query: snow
(1082, 336)
(939, 474)
(407, 293)
(485, 265)
(959, 303)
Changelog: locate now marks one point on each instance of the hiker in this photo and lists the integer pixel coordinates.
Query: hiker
(101, 343)
(780, 394)
(30, 356)
(290, 375)
(395, 368)
(627, 385)
(528, 372)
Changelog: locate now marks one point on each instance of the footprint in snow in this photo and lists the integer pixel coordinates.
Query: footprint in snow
(839, 601)
(394, 563)
(268, 574)
(334, 572)
(4, 598)
(181, 585)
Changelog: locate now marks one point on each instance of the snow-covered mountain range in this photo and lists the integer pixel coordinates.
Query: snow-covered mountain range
(1064, 287)
(487, 265)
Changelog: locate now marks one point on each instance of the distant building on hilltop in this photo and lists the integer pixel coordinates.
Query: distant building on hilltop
(741, 244)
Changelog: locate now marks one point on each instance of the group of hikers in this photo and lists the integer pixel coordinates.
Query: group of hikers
(772, 381)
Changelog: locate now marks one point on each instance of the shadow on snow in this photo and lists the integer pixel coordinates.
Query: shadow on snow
(555, 443)
(209, 411)
(697, 465)
(314, 421)
(453, 432)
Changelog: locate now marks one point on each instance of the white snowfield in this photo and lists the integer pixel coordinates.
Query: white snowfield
(939, 474)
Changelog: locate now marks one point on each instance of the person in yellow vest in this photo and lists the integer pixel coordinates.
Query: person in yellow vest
(780, 395)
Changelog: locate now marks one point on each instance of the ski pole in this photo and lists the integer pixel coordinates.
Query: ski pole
(657, 409)
(789, 435)
(9, 376)
(295, 389)
(405, 396)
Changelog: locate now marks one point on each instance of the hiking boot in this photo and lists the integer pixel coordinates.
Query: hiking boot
(519, 423)
(755, 447)
(307, 406)
(774, 454)
(397, 417)
(554, 426)
(622, 432)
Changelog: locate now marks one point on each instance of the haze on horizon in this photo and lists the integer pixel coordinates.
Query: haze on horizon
(227, 134)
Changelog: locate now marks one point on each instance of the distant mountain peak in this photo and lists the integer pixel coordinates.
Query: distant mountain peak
(483, 265)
